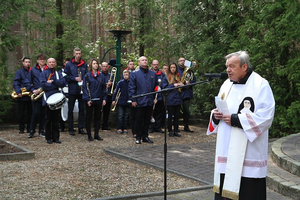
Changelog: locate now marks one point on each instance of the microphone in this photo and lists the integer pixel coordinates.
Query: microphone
(222, 75)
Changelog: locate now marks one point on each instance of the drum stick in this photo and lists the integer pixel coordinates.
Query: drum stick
(49, 77)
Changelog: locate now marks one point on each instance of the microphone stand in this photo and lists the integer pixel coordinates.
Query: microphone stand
(165, 94)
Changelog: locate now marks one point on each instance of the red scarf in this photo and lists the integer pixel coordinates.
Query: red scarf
(94, 74)
(81, 62)
(27, 69)
(38, 67)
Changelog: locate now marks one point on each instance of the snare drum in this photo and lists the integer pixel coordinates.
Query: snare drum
(56, 101)
(64, 111)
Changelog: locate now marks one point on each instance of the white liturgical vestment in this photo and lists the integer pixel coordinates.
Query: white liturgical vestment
(255, 105)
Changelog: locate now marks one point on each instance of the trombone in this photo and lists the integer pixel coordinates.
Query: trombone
(116, 101)
(113, 73)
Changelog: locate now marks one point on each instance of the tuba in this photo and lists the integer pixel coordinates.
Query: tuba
(188, 74)
(113, 72)
(35, 97)
(24, 92)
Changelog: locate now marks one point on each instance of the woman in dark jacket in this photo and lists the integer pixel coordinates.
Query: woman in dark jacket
(174, 99)
(94, 94)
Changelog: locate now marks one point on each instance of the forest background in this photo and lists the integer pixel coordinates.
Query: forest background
(165, 30)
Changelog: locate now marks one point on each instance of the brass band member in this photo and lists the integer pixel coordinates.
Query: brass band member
(34, 79)
(142, 81)
(94, 94)
(24, 102)
(62, 73)
(174, 99)
(187, 95)
(50, 82)
(106, 108)
(131, 68)
(158, 115)
(76, 70)
(121, 93)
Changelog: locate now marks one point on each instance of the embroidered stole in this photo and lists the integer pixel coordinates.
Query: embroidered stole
(237, 145)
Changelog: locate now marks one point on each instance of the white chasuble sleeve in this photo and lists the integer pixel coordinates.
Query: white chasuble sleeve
(257, 122)
(212, 127)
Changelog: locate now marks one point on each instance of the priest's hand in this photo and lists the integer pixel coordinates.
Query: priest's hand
(217, 115)
(227, 119)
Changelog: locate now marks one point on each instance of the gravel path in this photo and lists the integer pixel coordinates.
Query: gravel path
(79, 169)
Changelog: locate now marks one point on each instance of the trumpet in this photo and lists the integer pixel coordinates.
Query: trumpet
(116, 101)
(113, 73)
(35, 97)
(24, 92)
(188, 74)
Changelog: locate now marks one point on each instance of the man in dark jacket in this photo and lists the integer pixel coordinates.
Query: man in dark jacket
(158, 114)
(51, 82)
(34, 79)
(62, 73)
(75, 71)
(108, 77)
(20, 81)
(142, 81)
(187, 95)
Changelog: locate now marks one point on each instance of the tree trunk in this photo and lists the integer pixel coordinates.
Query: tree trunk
(142, 10)
(59, 34)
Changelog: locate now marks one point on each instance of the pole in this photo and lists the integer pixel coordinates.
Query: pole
(118, 56)
(165, 93)
(165, 146)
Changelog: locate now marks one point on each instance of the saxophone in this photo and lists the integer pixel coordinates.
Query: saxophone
(35, 97)
(24, 92)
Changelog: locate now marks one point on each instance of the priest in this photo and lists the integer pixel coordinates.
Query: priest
(244, 114)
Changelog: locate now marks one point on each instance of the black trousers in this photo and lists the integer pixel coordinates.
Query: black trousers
(71, 103)
(158, 115)
(24, 105)
(142, 121)
(52, 121)
(250, 189)
(132, 119)
(106, 111)
(37, 109)
(186, 111)
(173, 111)
(96, 108)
